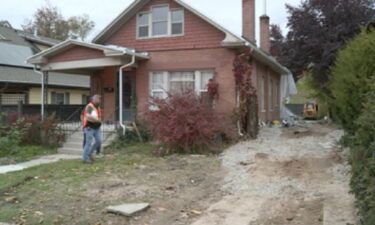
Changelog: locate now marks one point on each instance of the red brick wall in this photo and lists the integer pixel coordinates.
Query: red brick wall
(262, 72)
(220, 60)
(76, 53)
(197, 34)
(248, 18)
(265, 33)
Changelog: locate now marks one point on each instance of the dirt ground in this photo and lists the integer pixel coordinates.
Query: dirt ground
(294, 176)
(288, 176)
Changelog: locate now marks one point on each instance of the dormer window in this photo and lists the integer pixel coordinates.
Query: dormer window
(160, 22)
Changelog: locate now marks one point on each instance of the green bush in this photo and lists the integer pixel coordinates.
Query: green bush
(10, 141)
(130, 138)
(351, 79)
(353, 105)
(362, 159)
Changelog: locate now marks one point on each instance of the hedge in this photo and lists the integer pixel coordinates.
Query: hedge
(353, 105)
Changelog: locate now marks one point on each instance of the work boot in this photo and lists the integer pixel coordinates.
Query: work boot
(89, 161)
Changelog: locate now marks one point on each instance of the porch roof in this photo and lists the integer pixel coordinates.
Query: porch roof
(105, 55)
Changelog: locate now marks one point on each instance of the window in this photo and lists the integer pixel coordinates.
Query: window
(177, 82)
(205, 78)
(60, 98)
(277, 94)
(12, 99)
(85, 99)
(270, 94)
(181, 82)
(263, 93)
(158, 87)
(143, 27)
(177, 17)
(159, 22)
(67, 98)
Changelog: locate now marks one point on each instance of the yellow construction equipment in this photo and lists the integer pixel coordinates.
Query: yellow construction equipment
(310, 111)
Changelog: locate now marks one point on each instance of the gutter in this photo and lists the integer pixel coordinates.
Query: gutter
(260, 55)
(121, 92)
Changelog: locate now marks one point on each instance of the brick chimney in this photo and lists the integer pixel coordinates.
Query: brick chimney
(248, 20)
(265, 44)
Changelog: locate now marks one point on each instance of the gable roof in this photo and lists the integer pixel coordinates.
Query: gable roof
(231, 39)
(108, 50)
(128, 13)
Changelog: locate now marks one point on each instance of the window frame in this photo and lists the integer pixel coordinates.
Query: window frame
(167, 81)
(263, 95)
(270, 94)
(148, 24)
(277, 95)
(182, 22)
(169, 23)
(159, 21)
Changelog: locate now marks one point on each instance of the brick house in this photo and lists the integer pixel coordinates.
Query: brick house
(164, 46)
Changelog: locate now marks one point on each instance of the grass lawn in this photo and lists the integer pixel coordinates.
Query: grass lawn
(25, 153)
(69, 192)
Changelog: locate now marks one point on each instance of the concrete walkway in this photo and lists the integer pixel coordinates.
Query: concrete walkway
(36, 162)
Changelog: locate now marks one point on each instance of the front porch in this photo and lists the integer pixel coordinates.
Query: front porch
(111, 69)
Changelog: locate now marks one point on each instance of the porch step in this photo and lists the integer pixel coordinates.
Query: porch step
(74, 144)
(70, 151)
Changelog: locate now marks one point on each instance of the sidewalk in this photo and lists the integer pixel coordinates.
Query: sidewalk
(36, 162)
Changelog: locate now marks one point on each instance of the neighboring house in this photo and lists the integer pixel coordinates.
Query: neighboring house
(174, 47)
(19, 81)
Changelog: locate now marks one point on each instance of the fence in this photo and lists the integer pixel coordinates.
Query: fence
(66, 113)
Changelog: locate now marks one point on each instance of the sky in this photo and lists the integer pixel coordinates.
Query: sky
(225, 12)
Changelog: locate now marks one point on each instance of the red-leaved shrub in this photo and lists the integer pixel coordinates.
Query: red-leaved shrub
(184, 123)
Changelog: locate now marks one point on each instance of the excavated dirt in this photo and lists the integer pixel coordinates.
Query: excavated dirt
(288, 176)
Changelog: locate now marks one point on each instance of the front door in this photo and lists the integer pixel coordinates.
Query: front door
(128, 93)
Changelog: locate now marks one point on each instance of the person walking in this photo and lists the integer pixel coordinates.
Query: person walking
(92, 121)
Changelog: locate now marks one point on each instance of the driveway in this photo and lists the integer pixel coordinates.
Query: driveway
(296, 176)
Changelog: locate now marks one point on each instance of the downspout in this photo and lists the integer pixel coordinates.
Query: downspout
(42, 92)
(121, 92)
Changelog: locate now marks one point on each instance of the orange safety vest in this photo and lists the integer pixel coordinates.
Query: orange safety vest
(84, 114)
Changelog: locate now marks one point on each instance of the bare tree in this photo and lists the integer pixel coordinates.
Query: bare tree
(80, 26)
(48, 21)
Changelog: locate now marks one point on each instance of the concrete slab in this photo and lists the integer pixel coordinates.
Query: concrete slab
(36, 162)
(128, 209)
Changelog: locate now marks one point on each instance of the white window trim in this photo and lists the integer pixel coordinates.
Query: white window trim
(171, 22)
(139, 26)
(165, 86)
(150, 23)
